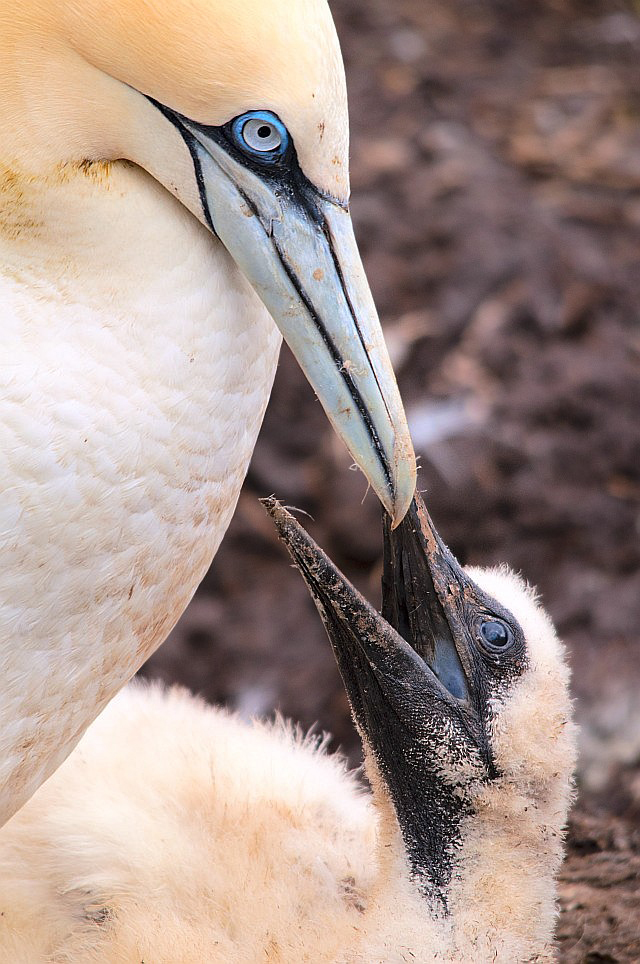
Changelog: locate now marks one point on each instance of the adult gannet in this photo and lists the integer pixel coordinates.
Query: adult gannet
(177, 834)
(172, 173)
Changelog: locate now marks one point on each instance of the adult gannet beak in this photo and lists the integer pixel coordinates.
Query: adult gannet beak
(298, 250)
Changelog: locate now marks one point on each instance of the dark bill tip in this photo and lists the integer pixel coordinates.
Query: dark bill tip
(357, 632)
(326, 583)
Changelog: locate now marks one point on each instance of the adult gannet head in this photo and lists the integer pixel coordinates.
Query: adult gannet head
(460, 693)
(239, 110)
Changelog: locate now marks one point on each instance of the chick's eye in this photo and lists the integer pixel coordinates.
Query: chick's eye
(261, 135)
(494, 634)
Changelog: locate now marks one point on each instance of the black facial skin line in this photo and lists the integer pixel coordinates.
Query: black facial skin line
(339, 272)
(308, 193)
(190, 141)
(298, 189)
(356, 397)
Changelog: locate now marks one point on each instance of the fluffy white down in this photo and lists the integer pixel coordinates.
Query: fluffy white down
(176, 834)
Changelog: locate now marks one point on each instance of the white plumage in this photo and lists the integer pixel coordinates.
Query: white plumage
(128, 420)
(137, 358)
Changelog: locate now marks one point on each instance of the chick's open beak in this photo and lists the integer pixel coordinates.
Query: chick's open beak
(406, 657)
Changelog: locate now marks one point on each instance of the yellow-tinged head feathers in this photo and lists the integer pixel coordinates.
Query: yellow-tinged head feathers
(210, 60)
(170, 86)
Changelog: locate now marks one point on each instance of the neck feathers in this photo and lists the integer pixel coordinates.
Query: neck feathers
(497, 897)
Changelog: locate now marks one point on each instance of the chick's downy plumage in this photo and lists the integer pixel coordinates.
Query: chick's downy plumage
(175, 833)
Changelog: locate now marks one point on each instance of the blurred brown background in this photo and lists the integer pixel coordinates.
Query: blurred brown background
(496, 194)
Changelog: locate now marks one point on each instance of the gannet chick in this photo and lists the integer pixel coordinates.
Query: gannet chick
(173, 175)
(177, 834)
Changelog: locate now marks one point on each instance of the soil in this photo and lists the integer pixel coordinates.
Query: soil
(496, 195)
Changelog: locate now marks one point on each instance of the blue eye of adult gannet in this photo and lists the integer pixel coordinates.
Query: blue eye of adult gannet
(261, 135)
(163, 332)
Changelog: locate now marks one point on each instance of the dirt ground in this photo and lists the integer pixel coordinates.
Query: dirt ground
(496, 194)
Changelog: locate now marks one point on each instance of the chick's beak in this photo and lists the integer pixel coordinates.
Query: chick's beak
(423, 588)
(414, 652)
(380, 670)
(399, 698)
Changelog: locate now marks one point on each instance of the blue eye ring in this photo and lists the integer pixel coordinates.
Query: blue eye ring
(261, 135)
